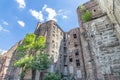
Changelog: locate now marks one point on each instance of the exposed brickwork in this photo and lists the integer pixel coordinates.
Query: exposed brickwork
(54, 36)
(74, 52)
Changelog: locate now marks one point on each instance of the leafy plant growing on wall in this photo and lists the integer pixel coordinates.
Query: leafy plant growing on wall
(87, 16)
(32, 55)
(52, 76)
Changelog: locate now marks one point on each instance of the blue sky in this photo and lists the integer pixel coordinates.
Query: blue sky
(18, 17)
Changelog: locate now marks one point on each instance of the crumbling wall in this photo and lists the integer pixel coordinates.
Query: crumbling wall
(112, 8)
(104, 46)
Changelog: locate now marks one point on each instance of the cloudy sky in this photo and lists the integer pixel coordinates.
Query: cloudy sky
(18, 17)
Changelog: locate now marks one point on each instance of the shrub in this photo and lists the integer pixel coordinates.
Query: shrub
(87, 16)
(52, 76)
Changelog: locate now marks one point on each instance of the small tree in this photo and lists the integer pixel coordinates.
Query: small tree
(52, 76)
(32, 55)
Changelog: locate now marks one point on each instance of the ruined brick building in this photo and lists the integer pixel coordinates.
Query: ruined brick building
(63, 49)
(91, 52)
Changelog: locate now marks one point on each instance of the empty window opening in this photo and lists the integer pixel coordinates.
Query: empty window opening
(77, 62)
(76, 53)
(75, 44)
(70, 59)
(100, 33)
(74, 35)
(92, 36)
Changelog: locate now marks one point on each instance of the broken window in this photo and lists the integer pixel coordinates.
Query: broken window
(75, 44)
(70, 59)
(77, 62)
(74, 35)
(76, 52)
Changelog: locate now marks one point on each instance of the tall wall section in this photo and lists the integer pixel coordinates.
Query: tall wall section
(100, 44)
(74, 57)
(90, 67)
(7, 67)
(54, 37)
(112, 8)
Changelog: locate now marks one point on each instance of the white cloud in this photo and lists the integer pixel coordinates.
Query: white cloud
(37, 15)
(44, 7)
(2, 51)
(63, 13)
(64, 17)
(3, 29)
(5, 23)
(51, 12)
(21, 3)
(21, 23)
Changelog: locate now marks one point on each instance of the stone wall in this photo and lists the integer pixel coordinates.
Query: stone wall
(112, 8)
(104, 46)
(90, 67)
(100, 43)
